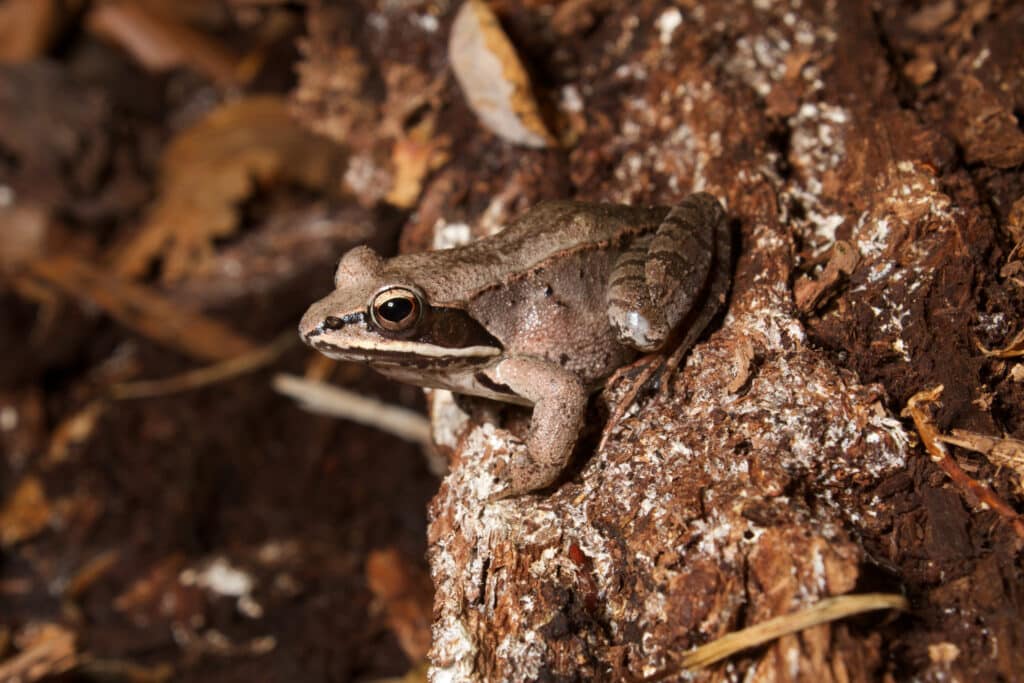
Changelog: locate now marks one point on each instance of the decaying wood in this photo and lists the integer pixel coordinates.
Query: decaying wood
(776, 471)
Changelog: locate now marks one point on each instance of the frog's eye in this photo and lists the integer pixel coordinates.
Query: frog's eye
(396, 309)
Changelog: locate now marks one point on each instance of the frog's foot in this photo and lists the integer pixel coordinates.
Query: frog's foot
(559, 403)
(520, 474)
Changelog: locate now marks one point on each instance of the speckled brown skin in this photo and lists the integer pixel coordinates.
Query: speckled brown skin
(539, 314)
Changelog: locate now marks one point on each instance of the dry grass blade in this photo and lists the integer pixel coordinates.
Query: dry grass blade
(324, 399)
(828, 610)
(142, 309)
(211, 374)
(932, 440)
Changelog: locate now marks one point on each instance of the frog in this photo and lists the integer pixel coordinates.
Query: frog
(539, 314)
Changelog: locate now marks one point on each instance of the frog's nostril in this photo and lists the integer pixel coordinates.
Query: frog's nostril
(333, 323)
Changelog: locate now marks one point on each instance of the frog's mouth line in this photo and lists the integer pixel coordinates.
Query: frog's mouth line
(406, 353)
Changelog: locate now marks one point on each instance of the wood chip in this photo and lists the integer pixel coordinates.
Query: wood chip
(809, 294)
(493, 79)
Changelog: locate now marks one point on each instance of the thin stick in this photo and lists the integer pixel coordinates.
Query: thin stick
(651, 364)
(930, 437)
(828, 610)
(205, 376)
(325, 399)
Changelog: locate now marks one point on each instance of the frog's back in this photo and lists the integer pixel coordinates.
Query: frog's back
(548, 230)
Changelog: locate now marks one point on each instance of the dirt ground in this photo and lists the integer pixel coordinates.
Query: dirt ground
(178, 180)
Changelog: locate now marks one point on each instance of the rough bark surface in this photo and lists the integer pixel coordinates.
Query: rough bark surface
(775, 470)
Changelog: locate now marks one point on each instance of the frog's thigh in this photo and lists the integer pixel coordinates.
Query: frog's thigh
(559, 403)
(655, 283)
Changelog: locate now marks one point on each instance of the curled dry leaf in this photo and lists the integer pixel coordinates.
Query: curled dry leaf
(212, 167)
(493, 78)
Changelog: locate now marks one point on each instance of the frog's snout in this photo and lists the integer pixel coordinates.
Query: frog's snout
(311, 324)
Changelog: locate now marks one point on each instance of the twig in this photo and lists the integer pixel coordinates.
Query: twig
(931, 438)
(142, 309)
(205, 376)
(828, 610)
(1001, 452)
(324, 399)
(649, 365)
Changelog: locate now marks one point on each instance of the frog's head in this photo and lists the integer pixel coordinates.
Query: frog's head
(379, 315)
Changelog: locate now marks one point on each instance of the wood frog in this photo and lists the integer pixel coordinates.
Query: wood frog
(539, 314)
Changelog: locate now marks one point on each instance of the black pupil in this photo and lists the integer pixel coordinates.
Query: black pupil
(396, 310)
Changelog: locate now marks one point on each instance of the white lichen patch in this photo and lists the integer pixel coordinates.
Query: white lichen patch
(816, 147)
(667, 23)
(449, 235)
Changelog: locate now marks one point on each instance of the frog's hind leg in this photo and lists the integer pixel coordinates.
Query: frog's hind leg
(717, 288)
(660, 278)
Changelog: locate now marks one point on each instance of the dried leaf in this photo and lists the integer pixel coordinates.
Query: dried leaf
(406, 597)
(413, 157)
(160, 42)
(212, 167)
(46, 650)
(493, 78)
(26, 513)
(143, 309)
(73, 431)
(26, 28)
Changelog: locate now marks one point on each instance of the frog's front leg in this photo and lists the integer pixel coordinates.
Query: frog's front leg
(660, 278)
(559, 404)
